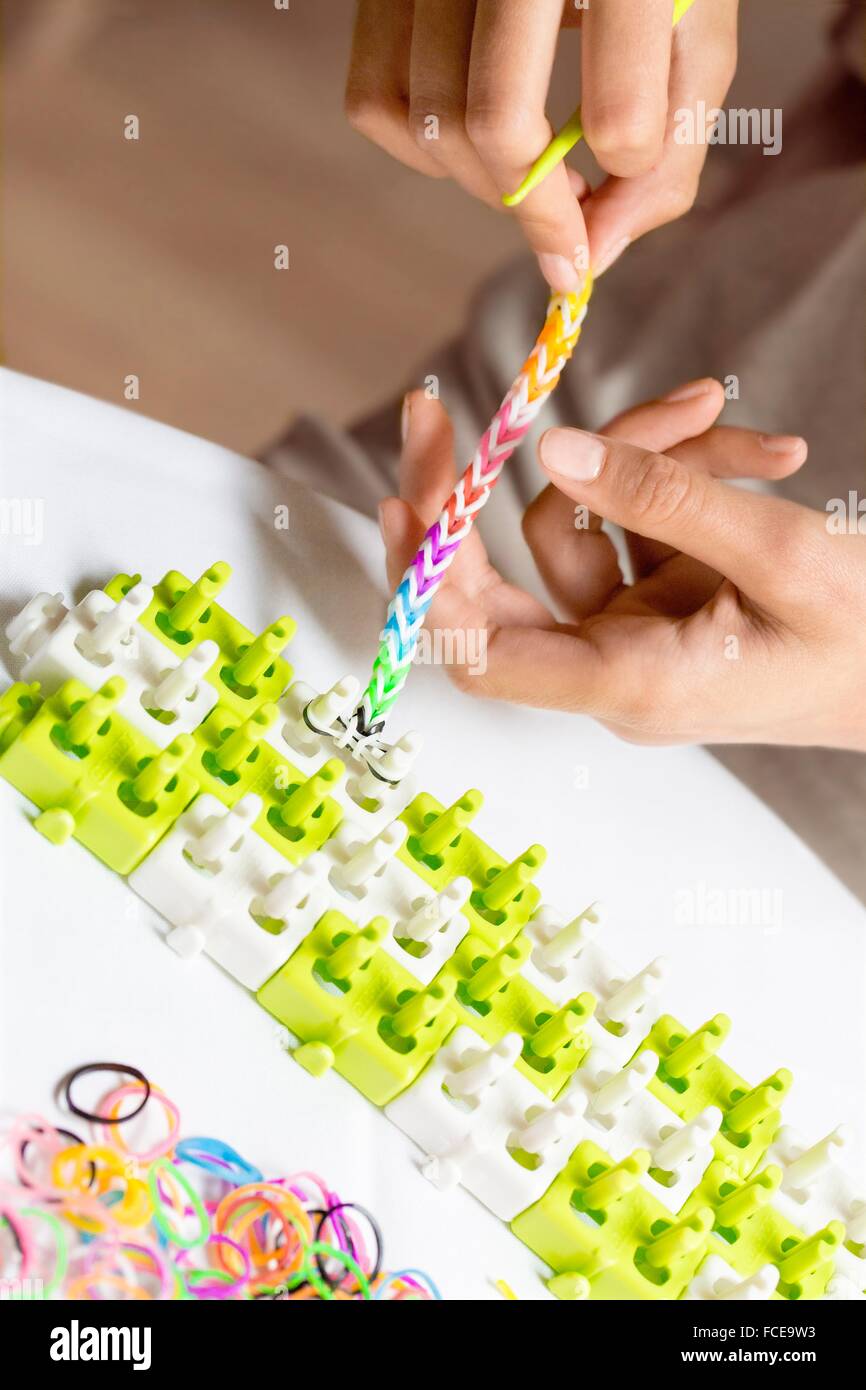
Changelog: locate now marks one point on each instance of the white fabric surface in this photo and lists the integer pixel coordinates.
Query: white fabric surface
(84, 974)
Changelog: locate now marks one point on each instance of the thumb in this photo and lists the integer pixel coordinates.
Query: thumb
(743, 535)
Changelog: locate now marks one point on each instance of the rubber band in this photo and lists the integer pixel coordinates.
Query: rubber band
(224, 1283)
(352, 1206)
(216, 1157)
(351, 1266)
(61, 1248)
(22, 1241)
(413, 1274)
(163, 1145)
(31, 1138)
(80, 1288)
(164, 1165)
(143, 1225)
(121, 1069)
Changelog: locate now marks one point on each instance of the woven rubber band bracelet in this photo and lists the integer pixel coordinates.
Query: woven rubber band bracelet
(408, 608)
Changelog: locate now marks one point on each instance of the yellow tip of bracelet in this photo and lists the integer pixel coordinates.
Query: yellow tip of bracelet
(565, 140)
(505, 1289)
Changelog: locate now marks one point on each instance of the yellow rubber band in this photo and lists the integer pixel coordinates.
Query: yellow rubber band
(565, 140)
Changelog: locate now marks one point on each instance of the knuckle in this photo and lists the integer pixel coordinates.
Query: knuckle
(681, 197)
(651, 713)
(366, 111)
(799, 570)
(624, 130)
(510, 134)
(532, 519)
(658, 489)
(463, 679)
(434, 127)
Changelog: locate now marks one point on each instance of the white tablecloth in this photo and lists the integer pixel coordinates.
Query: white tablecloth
(85, 975)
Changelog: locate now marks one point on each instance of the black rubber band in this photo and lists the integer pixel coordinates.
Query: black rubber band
(67, 1134)
(374, 1227)
(122, 1069)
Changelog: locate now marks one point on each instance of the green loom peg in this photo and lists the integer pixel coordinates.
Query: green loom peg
(513, 879)
(92, 714)
(615, 1182)
(302, 804)
(243, 740)
(159, 771)
(696, 1048)
(748, 1198)
(499, 969)
(440, 833)
(679, 1240)
(262, 652)
(357, 949)
(563, 1026)
(198, 597)
(423, 1007)
(757, 1104)
(810, 1254)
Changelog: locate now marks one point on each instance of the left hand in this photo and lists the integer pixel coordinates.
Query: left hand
(746, 618)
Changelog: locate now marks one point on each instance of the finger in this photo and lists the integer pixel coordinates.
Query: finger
(677, 587)
(605, 673)
(513, 48)
(730, 452)
(577, 561)
(438, 78)
(724, 452)
(702, 66)
(752, 539)
(427, 474)
(402, 531)
(575, 558)
(377, 88)
(625, 61)
(659, 425)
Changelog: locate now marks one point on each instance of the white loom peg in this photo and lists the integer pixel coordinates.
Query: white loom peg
(370, 858)
(855, 1224)
(564, 943)
(802, 1173)
(115, 626)
(680, 1147)
(289, 890)
(445, 1170)
(757, 1288)
(632, 994)
(843, 1290)
(324, 710)
(437, 913)
(38, 618)
(296, 732)
(485, 1068)
(538, 1135)
(208, 848)
(395, 763)
(182, 681)
(613, 1094)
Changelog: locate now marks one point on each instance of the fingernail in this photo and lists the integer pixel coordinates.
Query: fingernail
(559, 272)
(689, 391)
(405, 417)
(573, 454)
(613, 253)
(783, 444)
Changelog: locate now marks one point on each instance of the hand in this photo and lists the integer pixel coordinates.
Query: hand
(746, 620)
(457, 88)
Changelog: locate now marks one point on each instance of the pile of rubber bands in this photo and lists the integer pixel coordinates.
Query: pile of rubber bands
(176, 1218)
